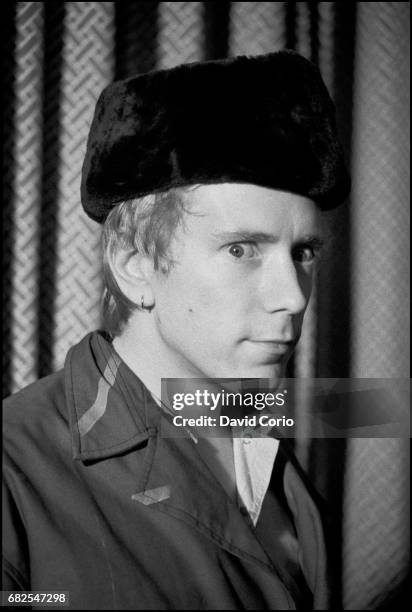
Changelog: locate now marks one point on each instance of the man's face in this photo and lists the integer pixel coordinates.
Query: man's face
(233, 302)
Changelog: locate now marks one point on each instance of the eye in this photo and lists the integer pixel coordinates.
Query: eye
(304, 254)
(239, 251)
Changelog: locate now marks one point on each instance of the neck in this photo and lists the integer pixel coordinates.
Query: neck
(146, 355)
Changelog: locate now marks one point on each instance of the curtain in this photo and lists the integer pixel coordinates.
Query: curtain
(57, 57)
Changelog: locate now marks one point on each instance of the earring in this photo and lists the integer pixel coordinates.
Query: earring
(143, 306)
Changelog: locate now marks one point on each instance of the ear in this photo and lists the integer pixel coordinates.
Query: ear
(133, 273)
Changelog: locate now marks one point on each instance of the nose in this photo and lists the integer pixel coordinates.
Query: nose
(285, 286)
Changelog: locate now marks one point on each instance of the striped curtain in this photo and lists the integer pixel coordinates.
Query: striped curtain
(57, 58)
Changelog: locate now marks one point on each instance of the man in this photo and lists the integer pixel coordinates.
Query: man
(209, 180)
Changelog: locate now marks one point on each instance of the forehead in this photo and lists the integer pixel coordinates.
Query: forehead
(238, 206)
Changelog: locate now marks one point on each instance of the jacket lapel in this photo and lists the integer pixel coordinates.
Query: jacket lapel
(196, 496)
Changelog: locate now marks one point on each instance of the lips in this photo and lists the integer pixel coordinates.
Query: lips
(275, 341)
(273, 348)
(274, 345)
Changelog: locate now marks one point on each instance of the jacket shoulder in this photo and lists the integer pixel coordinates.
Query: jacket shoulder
(35, 412)
(35, 397)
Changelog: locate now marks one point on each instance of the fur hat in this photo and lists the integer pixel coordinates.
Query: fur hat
(265, 119)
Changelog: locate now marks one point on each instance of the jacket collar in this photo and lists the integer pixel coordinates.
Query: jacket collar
(106, 412)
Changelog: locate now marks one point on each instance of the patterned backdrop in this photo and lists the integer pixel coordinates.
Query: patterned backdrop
(57, 58)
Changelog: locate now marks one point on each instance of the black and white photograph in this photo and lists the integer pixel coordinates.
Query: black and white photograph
(206, 298)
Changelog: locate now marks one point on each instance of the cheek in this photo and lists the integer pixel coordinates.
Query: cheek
(306, 284)
(182, 297)
(215, 300)
(202, 301)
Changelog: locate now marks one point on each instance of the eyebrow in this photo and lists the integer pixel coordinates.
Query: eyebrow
(315, 240)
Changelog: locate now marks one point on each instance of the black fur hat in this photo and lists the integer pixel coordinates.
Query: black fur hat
(266, 119)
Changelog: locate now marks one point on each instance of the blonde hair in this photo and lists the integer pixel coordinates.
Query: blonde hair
(143, 225)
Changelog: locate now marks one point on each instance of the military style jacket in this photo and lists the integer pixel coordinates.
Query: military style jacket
(100, 503)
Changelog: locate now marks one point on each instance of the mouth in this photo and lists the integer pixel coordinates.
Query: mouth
(275, 349)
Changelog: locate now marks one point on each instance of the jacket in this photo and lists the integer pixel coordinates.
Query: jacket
(100, 501)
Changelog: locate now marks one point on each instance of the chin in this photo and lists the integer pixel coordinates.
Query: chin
(273, 371)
